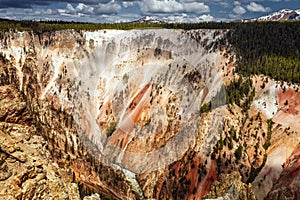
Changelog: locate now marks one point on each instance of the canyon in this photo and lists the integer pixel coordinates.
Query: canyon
(141, 114)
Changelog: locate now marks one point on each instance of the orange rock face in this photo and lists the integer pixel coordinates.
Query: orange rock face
(288, 185)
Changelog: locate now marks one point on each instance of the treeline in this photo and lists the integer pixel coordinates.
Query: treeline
(48, 26)
(44, 26)
(270, 48)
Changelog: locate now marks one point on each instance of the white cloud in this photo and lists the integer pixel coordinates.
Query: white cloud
(172, 6)
(127, 4)
(233, 16)
(109, 8)
(176, 18)
(239, 10)
(49, 11)
(82, 9)
(28, 10)
(79, 9)
(196, 7)
(236, 3)
(43, 12)
(157, 6)
(254, 7)
(186, 18)
(224, 4)
(206, 18)
(70, 9)
(187, 1)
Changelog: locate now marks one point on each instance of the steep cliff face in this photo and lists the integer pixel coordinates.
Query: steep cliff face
(287, 186)
(27, 170)
(140, 114)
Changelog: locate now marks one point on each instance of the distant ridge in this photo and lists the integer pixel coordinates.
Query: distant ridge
(282, 15)
(151, 19)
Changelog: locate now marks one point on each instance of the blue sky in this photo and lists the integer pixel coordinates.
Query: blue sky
(129, 10)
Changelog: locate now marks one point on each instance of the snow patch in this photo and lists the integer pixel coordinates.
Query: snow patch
(267, 102)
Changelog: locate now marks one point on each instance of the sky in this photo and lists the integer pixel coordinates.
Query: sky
(100, 11)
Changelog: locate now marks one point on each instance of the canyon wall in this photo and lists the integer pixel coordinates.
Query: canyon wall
(140, 114)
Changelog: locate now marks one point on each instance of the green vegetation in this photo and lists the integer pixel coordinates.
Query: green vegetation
(40, 27)
(241, 93)
(205, 107)
(270, 48)
(45, 26)
(125, 78)
(230, 143)
(232, 133)
(269, 134)
(255, 171)
(111, 128)
(239, 152)
(221, 144)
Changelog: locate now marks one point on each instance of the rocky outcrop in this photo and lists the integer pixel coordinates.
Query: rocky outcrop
(230, 186)
(27, 170)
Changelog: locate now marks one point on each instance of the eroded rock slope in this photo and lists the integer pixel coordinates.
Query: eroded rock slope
(139, 114)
